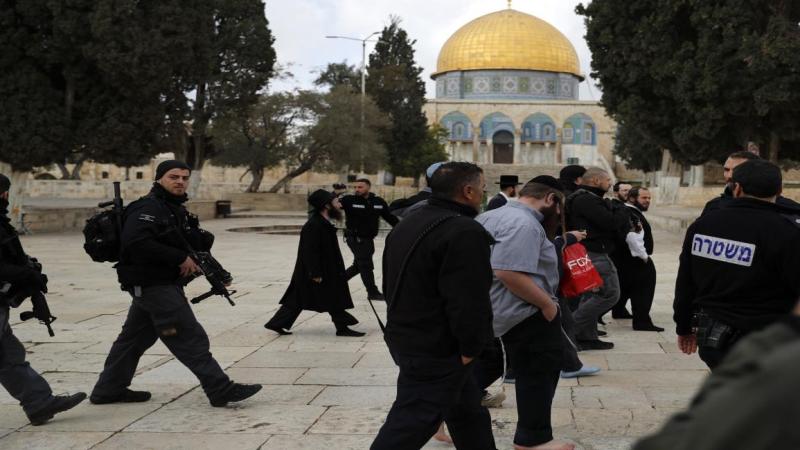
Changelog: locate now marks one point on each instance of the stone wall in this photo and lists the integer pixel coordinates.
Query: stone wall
(54, 220)
(78, 189)
(669, 193)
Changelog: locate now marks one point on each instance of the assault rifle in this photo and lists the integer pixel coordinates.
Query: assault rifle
(116, 206)
(40, 309)
(217, 277)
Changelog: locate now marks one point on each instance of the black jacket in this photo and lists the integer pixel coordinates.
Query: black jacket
(363, 215)
(14, 267)
(739, 264)
(152, 248)
(443, 306)
(789, 205)
(605, 223)
(399, 206)
(318, 256)
(496, 202)
(649, 244)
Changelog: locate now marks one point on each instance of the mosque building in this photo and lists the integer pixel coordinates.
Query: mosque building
(507, 91)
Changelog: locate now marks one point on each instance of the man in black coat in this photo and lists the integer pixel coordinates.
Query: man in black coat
(738, 267)
(154, 266)
(437, 276)
(16, 375)
(604, 223)
(363, 211)
(508, 190)
(319, 282)
(637, 277)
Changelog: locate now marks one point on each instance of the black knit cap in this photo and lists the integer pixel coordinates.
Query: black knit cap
(319, 198)
(168, 165)
(547, 180)
(5, 184)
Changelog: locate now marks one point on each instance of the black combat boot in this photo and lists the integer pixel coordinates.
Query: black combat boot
(58, 404)
(236, 393)
(127, 396)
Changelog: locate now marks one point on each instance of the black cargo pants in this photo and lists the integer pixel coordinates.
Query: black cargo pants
(362, 249)
(16, 375)
(161, 312)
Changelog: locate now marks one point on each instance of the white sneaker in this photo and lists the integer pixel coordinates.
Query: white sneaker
(493, 400)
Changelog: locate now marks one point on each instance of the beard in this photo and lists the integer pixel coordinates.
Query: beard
(551, 221)
(641, 207)
(334, 214)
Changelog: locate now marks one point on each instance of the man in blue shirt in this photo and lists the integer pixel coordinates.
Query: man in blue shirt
(524, 296)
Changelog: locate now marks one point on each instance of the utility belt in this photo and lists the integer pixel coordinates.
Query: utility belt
(350, 234)
(715, 334)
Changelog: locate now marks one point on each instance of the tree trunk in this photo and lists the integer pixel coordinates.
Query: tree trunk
(301, 169)
(19, 181)
(774, 146)
(76, 171)
(65, 175)
(199, 128)
(258, 177)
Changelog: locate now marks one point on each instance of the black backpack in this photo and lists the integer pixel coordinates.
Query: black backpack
(103, 231)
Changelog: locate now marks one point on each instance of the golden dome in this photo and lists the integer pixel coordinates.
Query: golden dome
(508, 39)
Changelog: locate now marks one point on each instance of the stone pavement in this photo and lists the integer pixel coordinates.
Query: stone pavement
(322, 392)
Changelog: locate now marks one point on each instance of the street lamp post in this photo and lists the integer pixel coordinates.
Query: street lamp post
(363, 86)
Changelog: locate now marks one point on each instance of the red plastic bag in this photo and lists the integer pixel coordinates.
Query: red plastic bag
(580, 276)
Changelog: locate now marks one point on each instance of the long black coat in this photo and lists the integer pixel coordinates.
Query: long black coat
(318, 256)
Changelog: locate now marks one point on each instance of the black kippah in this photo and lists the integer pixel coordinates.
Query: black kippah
(548, 181)
(168, 165)
(5, 184)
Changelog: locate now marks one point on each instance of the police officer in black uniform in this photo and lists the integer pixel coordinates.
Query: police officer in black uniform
(735, 279)
(16, 375)
(154, 263)
(363, 212)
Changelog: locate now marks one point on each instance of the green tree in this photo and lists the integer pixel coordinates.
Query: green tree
(699, 78)
(258, 139)
(637, 149)
(325, 142)
(65, 99)
(338, 74)
(394, 82)
(232, 61)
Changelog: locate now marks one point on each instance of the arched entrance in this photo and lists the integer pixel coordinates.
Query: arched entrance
(503, 151)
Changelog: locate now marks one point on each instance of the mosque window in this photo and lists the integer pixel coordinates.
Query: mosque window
(588, 134)
(547, 132)
(458, 131)
(569, 133)
(538, 134)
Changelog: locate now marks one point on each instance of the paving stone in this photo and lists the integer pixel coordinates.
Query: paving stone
(52, 440)
(669, 398)
(254, 416)
(609, 397)
(350, 377)
(356, 396)
(320, 441)
(263, 358)
(12, 417)
(88, 417)
(609, 443)
(265, 375)
(181, 441)
(350, 420)
(647, 378)
(664, 362)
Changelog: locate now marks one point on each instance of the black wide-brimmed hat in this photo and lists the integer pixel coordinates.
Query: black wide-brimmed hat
(319, 198)
(508, 180)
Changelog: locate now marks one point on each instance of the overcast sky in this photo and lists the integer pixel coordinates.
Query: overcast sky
(300, 27)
